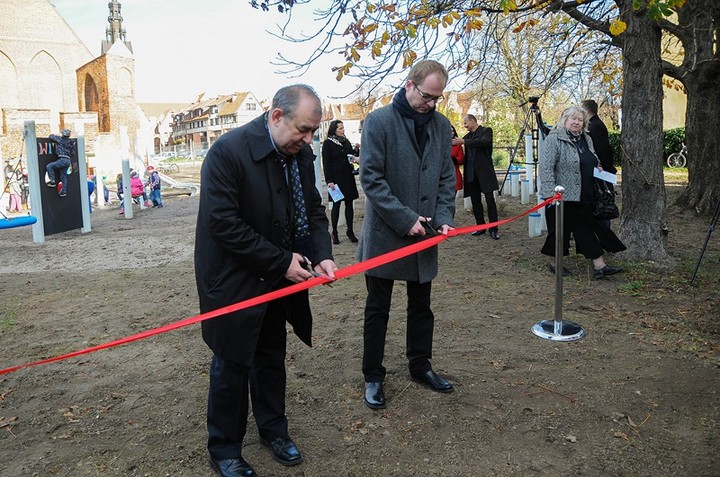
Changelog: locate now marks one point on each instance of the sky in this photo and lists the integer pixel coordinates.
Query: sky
(184, 48)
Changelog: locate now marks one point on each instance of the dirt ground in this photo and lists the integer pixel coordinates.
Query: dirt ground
(638, 396)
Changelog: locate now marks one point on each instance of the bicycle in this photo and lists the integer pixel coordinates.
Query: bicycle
(678, 159)
(169, 168)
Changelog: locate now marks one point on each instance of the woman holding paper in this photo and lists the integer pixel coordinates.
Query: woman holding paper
(338, 156)
(568, 159)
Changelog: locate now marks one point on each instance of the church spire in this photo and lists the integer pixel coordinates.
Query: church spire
(115, 31)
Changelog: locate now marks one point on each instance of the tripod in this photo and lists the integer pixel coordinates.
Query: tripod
(711, 227)
(533, 121)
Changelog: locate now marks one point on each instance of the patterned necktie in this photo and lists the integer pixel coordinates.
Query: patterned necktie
(300, 225)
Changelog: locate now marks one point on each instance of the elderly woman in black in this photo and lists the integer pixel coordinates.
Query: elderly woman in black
(568, 159)
(337, 157)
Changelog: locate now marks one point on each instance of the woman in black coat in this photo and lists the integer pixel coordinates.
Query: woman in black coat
(337, 156)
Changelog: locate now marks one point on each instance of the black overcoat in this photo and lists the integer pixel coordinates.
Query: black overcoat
(338, 169)
(479, 169)
(599, 134)
(244, 208)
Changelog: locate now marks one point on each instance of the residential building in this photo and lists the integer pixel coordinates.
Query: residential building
(202, 122)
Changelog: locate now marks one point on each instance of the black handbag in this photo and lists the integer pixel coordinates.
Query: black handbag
(604, 207)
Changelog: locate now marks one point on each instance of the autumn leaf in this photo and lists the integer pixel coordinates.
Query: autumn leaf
(617, 27)
(508, 5)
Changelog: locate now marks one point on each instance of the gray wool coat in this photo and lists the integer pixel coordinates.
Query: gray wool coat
(401, 184)
(559, 164)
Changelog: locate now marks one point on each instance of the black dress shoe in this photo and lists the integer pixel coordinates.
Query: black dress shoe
(335, 238)
(352, 236)
(434, 382)
(283, 450)
(232, 468)
(477, 233)
(374, 396)
(606, 270)
(494, 235)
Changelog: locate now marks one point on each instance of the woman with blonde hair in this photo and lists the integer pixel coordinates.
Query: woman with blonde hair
(568, 159)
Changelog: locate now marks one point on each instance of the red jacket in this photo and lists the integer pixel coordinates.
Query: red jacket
(136, 187)
(458, 157)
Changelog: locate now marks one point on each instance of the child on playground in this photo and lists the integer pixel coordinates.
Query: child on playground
(15, 188)
(137, 190)
(65, 150)
(154, 183)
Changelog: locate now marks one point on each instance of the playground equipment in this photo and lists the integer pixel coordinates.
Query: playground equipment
(51, 213)
(192, 187)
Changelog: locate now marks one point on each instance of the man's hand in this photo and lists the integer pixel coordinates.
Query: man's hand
(298, 270)
(326, 268)
(301, 270)
(457, 140)
(444, 229)
(423, 227)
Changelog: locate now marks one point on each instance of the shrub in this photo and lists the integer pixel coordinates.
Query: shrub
(672, 142)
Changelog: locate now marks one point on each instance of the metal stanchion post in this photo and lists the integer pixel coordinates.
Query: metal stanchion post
(557, 329)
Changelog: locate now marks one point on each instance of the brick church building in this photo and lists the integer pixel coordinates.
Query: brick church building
(48, 75)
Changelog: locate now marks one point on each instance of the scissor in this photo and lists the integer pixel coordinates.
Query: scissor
(306, 265)
(429, 229)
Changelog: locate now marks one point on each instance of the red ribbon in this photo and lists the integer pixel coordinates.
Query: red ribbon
(313, 282)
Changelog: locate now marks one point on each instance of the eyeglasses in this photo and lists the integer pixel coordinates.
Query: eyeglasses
(426, 97)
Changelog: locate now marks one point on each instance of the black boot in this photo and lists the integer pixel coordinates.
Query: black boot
(335, 238)
(352, 236)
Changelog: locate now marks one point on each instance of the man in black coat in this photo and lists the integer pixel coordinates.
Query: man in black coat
(261, 226)
(601, 143)
(599, 135)
(480, 178)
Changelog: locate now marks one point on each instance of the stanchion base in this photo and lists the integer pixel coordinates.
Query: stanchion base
(567, 330)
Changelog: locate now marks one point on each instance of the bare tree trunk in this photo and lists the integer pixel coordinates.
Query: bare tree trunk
(642, 223)
(699, 19)
(702, 125)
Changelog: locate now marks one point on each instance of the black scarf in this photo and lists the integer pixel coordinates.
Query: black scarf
(420, 120)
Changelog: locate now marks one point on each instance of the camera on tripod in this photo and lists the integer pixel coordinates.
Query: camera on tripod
(533, 100)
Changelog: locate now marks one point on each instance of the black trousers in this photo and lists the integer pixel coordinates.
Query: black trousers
(420, 323)
(578, 221)
(476, 200)
(264, 381)
(335, 214)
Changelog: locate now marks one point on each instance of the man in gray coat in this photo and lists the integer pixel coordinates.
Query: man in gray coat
(261, 226)
(409, 181)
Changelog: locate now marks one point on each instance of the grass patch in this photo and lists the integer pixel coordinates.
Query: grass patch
(632, 288)
(8, 317)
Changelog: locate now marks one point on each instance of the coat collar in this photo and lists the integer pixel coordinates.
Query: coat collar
(563, 135)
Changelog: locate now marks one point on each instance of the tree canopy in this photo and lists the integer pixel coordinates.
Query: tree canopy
(576, 41)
